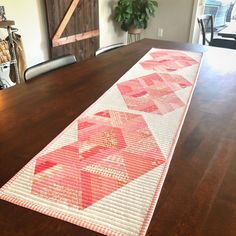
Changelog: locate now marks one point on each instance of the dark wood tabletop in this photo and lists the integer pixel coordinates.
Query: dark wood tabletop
(199, 193)
(229, 31)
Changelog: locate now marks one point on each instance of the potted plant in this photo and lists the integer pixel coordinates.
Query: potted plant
(133, 15)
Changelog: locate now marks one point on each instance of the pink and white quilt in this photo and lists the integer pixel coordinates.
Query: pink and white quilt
(105, 171)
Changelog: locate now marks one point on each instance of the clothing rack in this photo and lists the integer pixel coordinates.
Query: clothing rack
(8, 25)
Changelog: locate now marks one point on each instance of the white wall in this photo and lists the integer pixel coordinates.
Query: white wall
(173, 16)
(110, 32)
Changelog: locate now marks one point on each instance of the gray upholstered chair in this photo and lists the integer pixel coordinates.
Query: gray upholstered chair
(109, 48)
(48, 66)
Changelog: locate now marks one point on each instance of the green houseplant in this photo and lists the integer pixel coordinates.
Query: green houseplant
(134, 14)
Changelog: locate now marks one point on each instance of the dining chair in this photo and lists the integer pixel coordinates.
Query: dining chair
(1, 85)
(48, 66)
(205, 23)
(108, 48)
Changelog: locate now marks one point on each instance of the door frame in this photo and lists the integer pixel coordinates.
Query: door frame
(194, 28)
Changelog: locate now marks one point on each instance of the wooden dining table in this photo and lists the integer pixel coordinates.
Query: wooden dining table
(229, 31)
(199, 193)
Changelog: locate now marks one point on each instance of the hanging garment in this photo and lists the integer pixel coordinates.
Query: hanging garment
(4, 52)
(20, 56)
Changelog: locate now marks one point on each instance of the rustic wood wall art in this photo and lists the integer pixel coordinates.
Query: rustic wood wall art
(73, 27)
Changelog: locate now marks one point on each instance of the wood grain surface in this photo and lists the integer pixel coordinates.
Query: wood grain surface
(84, 19)
(199, 193)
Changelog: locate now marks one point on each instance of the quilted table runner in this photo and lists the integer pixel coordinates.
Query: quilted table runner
(105, 171)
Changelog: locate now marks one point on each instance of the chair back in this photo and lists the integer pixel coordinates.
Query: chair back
(205, 23)
(48, 66)
(109, 48)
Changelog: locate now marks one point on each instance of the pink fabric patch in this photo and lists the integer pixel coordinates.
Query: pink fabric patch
(114, 149)
(167, 61)
(154, 93)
